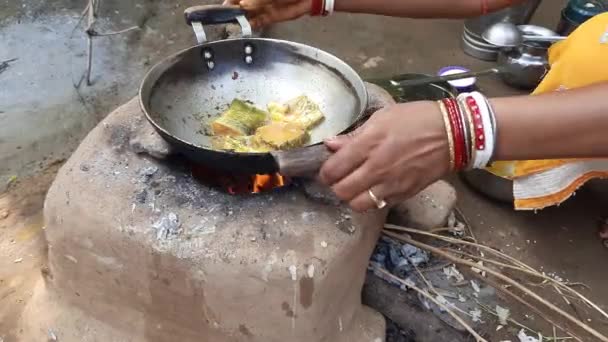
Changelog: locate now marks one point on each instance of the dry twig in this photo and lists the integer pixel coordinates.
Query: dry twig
(90, 21)
(529, 306)
(6, 64)
(97, 34)
(459, 242)
(91, 11)
(502, 277)
(521, 325)
(505, 290)
(504, 256)
(569, 303)
(466, 223)
(426, 295)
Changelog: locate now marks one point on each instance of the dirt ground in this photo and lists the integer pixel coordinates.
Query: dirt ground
(560, 241)
(22, 246)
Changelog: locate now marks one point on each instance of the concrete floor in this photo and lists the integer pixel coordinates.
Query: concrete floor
(42, 118)
(45, 108)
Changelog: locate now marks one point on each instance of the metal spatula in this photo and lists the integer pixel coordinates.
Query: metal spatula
(435, 79)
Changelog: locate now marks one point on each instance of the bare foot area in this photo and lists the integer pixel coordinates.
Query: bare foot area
(22, 247)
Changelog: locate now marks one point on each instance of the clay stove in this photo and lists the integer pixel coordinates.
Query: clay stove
(140, 250)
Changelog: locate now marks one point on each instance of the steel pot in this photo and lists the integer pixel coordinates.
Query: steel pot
(490, 185)
(525, 66)
(472, 42)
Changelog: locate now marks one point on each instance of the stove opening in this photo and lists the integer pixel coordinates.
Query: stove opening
(237, 184)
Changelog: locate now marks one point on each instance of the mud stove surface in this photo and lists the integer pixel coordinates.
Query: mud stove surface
(147, 252)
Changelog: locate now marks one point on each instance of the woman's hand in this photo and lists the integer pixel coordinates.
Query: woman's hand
(266, 12)
(397, 153)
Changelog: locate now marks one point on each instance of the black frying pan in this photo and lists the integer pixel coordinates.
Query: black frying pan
(183, 93)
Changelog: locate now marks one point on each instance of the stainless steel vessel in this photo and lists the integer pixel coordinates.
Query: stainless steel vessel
(525, 65)
(472, 42)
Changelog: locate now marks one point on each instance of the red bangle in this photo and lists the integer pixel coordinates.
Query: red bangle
(317, 7)
(458, 117)
(480, 141)
(484, 7)
(458, 134)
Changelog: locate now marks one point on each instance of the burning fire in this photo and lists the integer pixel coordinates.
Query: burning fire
(236, 184)
(267, 182)
(254, 184)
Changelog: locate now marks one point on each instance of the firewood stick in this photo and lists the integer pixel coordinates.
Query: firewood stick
(97, 34)
(503, 255)
(487, 309)
(460, 242)
(508, 280)
(436, 302)
(88, 30)
(528, 305)
(91, 10)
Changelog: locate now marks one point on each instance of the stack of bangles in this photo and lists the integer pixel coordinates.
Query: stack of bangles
(470, 124)
(322, 7)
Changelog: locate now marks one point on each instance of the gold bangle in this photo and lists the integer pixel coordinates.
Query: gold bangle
(448, 130)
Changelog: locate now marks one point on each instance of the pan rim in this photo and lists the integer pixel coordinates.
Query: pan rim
(359, 80)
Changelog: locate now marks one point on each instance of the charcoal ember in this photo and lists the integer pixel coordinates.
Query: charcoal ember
(398, 258)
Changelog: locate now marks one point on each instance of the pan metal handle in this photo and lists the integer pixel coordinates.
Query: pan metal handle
(198, 16)
(302, 162)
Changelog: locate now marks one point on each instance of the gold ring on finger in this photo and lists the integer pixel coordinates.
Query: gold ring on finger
(380, 204)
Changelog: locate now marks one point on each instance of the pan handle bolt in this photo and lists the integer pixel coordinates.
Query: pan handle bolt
(208, 57)
(248, 53)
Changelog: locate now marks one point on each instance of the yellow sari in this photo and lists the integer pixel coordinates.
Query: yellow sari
(578, 61)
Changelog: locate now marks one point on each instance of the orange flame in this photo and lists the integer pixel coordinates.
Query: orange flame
(238, 184)
(267, 182)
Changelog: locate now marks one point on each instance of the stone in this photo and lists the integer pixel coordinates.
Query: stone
(428, 209)
(147, 141)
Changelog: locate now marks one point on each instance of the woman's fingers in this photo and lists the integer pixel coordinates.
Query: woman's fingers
(394, 155)
(358, 181)
(279, 12)
(364, 200)
(351, 155)
(337, 142)
(391, 192)
(254, 4)
(257, 4)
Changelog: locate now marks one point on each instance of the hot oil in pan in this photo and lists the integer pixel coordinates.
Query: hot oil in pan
(325, 70)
